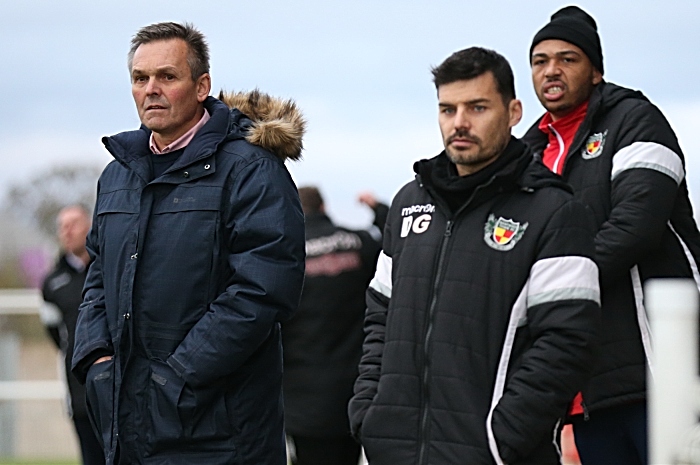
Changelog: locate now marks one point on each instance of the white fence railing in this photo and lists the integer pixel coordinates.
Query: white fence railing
(18, 302)
(22, 302)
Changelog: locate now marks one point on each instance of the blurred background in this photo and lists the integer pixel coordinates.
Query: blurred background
(360, 72)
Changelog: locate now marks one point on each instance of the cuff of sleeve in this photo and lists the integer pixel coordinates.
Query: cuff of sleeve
(81, 368)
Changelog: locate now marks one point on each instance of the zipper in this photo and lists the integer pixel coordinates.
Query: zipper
(586, 417)
(560, 141)
(425, 398)
(581, 133)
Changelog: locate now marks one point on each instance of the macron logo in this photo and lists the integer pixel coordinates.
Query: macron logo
(418, 224)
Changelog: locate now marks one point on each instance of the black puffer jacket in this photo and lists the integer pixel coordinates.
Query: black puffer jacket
(323, 341)
(192, 274)
(626, 165)
(479, 324)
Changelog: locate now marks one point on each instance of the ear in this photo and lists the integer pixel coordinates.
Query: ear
(203, 87)
(597, 77)
(515, 112)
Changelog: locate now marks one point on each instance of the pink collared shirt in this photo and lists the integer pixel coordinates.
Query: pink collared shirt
(183, 140)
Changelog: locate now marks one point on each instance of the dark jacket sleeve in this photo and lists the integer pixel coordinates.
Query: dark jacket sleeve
(53, 327)
(381, 211)
(92, 337)
(265, 228)
(378, 297)
(647, 171)
(562, 315)
(370, 365)
(55, 336)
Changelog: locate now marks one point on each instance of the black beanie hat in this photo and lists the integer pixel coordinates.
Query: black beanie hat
(572, 24)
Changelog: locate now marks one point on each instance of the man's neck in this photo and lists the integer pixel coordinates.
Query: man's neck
(162, 142)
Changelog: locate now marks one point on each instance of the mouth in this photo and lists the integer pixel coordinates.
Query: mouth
(155, 107)
(461, 139)
(553, 91)
(461, 142)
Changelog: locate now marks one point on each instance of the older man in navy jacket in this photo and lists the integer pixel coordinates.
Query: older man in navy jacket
(197, 251)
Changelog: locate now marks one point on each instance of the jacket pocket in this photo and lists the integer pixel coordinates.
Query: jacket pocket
(99, 391)
(180, 415)
(164, 393)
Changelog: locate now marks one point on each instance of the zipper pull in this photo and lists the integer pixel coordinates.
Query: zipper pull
(448, 230)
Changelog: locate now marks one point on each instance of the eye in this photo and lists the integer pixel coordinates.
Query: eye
(140, 79)
(169, 77)
(479, 108)
(537, 62)
(447, 110)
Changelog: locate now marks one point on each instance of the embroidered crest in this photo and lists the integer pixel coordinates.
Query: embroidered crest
(503, 234)
(594, 145)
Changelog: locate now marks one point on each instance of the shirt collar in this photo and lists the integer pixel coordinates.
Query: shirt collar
(183, 140)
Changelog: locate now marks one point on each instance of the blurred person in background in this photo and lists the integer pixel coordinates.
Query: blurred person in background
(323, 341)
(621, 156)
(62, 292)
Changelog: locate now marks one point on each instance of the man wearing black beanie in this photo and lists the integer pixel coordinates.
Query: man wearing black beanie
(623, 160)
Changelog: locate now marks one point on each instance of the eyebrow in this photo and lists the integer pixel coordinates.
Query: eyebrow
(468, 102)
(561, 53)
(162, 69)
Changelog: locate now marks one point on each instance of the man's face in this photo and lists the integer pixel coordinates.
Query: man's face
(563, 76)
(73, 226)
(475, 122)
(167, 99)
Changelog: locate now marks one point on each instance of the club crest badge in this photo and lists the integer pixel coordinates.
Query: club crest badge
(594, 145)
(502, 234)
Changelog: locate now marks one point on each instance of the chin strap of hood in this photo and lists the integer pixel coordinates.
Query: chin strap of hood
(278, 125)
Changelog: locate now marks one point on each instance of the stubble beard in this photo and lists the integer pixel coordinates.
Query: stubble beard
(475, 159)
(459, 157)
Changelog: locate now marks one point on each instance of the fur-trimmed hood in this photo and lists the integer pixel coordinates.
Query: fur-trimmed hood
(278, 125)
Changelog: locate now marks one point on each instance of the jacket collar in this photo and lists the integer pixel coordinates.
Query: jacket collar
(455, 193)
(605, 96)
(131, 148)
(274, 124)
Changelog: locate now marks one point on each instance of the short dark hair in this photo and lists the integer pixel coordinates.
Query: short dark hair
(472, 62)
(198, 57)
(311, 200)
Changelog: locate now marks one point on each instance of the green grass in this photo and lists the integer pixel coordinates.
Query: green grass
(37, 462)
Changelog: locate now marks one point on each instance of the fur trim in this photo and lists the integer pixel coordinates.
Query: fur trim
(278, 125)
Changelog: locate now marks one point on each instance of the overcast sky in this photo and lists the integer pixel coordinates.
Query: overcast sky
(359, 70)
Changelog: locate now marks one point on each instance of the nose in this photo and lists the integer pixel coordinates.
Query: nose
(152, 88)
(461, 120)
(552, 68)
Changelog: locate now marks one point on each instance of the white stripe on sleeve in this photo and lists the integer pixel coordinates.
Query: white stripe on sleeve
(518, 312)
(382, 277)
(563, 278)
(649, 155)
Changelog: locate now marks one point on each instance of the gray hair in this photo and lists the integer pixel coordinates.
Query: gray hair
(198, 56)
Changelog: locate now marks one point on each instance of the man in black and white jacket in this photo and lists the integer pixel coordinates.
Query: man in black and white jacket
(485, 303)
(623, 160)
